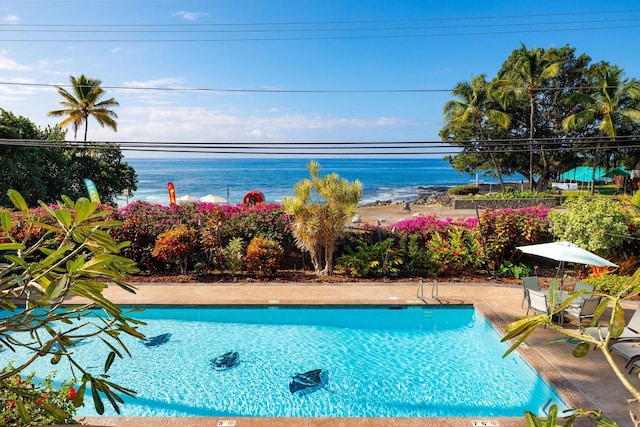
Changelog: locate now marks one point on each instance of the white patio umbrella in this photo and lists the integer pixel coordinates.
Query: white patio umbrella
(212, 198)
(565, 252)
(187, 198)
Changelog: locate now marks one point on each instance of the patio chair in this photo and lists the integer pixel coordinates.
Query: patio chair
(580, 286)
(538, 303)
(630, 351)
(631, 331)
(530, 282)
(581, 312)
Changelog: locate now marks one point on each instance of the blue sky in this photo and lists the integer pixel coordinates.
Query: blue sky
(324, 46)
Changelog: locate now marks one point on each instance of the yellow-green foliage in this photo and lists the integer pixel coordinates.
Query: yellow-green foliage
(263, 256)
(597, 225)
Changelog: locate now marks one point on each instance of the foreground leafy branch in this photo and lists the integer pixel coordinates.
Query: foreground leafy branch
(47, 259)
(523, 327)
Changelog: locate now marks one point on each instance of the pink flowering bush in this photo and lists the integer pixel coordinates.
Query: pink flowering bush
(427, 226)
(215, 225)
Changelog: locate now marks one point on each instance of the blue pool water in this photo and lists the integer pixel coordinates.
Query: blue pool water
(379, 362)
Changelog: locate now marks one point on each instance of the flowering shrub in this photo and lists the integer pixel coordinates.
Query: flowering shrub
(459, 250)
(263, 256)
(217, 225)
(426, 226)
(27, 404)
(504, 229)
(176, 246)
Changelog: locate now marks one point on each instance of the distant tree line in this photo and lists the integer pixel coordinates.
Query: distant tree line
(545, 112)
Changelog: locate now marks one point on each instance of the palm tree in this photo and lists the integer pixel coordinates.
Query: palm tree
(318, 224)
(471, 109)
(83, 103)
(612, 100)
(531, 69)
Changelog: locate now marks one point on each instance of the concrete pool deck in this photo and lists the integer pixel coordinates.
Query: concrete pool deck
(587, 382)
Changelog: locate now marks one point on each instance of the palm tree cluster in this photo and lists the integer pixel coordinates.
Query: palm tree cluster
(557, 102)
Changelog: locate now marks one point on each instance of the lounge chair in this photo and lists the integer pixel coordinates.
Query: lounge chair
(581, 312)
(630, 351)
(630, 332)
(530, 282)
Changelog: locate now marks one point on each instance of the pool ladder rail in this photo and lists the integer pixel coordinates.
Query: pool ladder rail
(434, 292)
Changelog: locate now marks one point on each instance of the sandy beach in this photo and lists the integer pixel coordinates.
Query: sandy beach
(389, 214)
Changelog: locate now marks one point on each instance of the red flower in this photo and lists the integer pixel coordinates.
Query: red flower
(11, 404)
(72, 394)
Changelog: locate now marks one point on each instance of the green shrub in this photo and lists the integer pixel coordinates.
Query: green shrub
(463, 190)
(512, 193)
(517, 271)
(263, 256)
(598, 225)
(234, 255)
(610, 283)
(371, 260)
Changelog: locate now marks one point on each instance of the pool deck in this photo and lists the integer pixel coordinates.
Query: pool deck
(587, 382)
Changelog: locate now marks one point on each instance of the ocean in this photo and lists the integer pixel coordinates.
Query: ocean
(231, 178)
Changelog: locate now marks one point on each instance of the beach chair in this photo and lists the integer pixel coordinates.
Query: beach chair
(530, 282)
(631, 331)
(630, 351)
(581, 312)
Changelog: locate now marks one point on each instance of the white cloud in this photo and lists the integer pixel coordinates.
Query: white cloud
(9, 64)
(164, 124)
(11, 19)
(170, 82)
(189, 16)
(115, 50)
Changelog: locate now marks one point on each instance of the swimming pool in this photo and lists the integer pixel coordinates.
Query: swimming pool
(378, 362)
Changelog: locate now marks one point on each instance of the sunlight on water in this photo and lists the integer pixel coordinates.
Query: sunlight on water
(411, 362)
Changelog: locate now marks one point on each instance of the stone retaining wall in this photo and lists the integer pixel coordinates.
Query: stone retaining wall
(504, 203)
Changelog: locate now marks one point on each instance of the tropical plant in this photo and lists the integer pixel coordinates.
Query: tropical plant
(518, 271)
(504, 229)
(74, 257)
(612, 100)
(234, 255)
(263, 256)
(598, 225)
(531, 69)
(371, 260)
(318, 223)
(176, 246)
(472, 111)
(85, 102)
(455, 251)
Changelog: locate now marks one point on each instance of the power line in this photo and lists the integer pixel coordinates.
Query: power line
(360, 148)
(464, 18)
(292, 91)
(314, 38)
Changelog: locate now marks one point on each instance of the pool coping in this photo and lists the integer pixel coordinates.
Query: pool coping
(343, 294)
